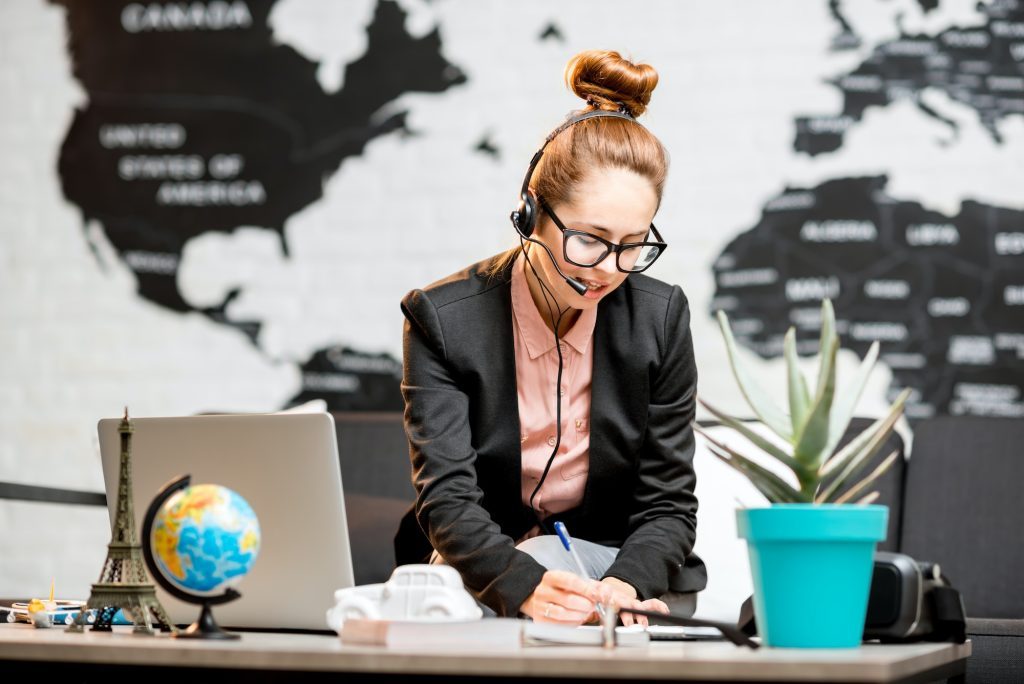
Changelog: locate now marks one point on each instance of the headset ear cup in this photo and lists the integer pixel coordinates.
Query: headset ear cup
(527, 215)
(524, 218)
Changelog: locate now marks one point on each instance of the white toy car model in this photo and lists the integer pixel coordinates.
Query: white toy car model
(414, 592)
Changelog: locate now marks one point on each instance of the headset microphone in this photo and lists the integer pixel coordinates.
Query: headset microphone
(576, 285)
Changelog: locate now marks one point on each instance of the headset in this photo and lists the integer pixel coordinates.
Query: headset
(524, 220)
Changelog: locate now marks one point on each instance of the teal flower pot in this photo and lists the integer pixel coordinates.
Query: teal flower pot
(811, 567)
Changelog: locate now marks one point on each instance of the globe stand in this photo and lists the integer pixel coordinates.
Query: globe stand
(205, 627)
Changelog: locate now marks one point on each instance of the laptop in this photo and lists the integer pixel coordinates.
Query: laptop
(286, 466)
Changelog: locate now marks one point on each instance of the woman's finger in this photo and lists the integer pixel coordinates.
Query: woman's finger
(572, 583)
(570, 602)
(640, 619)
(656, 605)
(609, 593)
(650, 604)
(606, 593)
(569, 590)
(556, 599)
(549, 608)
(554, 612)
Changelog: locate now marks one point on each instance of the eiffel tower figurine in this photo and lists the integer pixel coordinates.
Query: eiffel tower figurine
(123, 583)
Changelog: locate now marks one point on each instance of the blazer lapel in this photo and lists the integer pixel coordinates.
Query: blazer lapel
(504, 360)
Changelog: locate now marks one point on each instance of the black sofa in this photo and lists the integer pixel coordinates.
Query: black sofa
(957, 501)
(963, 507)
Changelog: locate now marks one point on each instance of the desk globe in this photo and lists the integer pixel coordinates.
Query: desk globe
(199, 541)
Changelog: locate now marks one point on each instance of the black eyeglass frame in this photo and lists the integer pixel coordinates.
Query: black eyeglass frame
(610, 247)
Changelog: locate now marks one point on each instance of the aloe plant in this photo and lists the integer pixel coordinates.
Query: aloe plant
(812, 428)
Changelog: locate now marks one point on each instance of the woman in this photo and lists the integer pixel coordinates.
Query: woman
(597, 359)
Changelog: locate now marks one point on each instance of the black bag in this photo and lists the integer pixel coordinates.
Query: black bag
(909, 601)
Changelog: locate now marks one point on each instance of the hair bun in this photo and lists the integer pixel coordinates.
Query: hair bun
(606, 80)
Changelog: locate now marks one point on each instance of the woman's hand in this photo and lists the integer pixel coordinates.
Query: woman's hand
(565, 598)
(624, 596)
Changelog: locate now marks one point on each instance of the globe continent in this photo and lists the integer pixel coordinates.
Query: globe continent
(205, 538)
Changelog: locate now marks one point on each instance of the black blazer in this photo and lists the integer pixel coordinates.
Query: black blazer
(462, 421)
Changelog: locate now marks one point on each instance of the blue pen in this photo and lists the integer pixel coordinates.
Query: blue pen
(563, 534)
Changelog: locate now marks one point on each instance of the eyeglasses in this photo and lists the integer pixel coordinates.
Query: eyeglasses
(584, 249)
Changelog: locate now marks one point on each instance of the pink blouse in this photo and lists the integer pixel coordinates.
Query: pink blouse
(536, 377)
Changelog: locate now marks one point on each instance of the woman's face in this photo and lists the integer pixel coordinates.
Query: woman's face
(613, 203)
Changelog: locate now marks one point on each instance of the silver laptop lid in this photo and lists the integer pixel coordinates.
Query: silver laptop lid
(286, 466)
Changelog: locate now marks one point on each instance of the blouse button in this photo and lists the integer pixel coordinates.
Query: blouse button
(551, 441)
(522, 438)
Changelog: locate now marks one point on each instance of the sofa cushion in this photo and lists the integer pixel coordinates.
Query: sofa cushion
(372, 521)
(997, 651)
(963, 508)
(374, 455)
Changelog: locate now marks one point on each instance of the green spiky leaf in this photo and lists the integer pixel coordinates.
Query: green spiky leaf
(857, 453)
(758, 440)
(814, 434)
(753, 469)
(877, 432)
(846, 401)
(877, 473)
(799, 397)
(828, 333)
(768, 489)
(759, 400)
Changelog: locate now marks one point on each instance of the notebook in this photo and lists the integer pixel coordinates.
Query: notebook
(489, 633)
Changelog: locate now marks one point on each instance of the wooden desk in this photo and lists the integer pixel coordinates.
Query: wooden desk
(285, 657)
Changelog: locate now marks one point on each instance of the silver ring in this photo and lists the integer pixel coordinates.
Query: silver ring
(547, 611)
